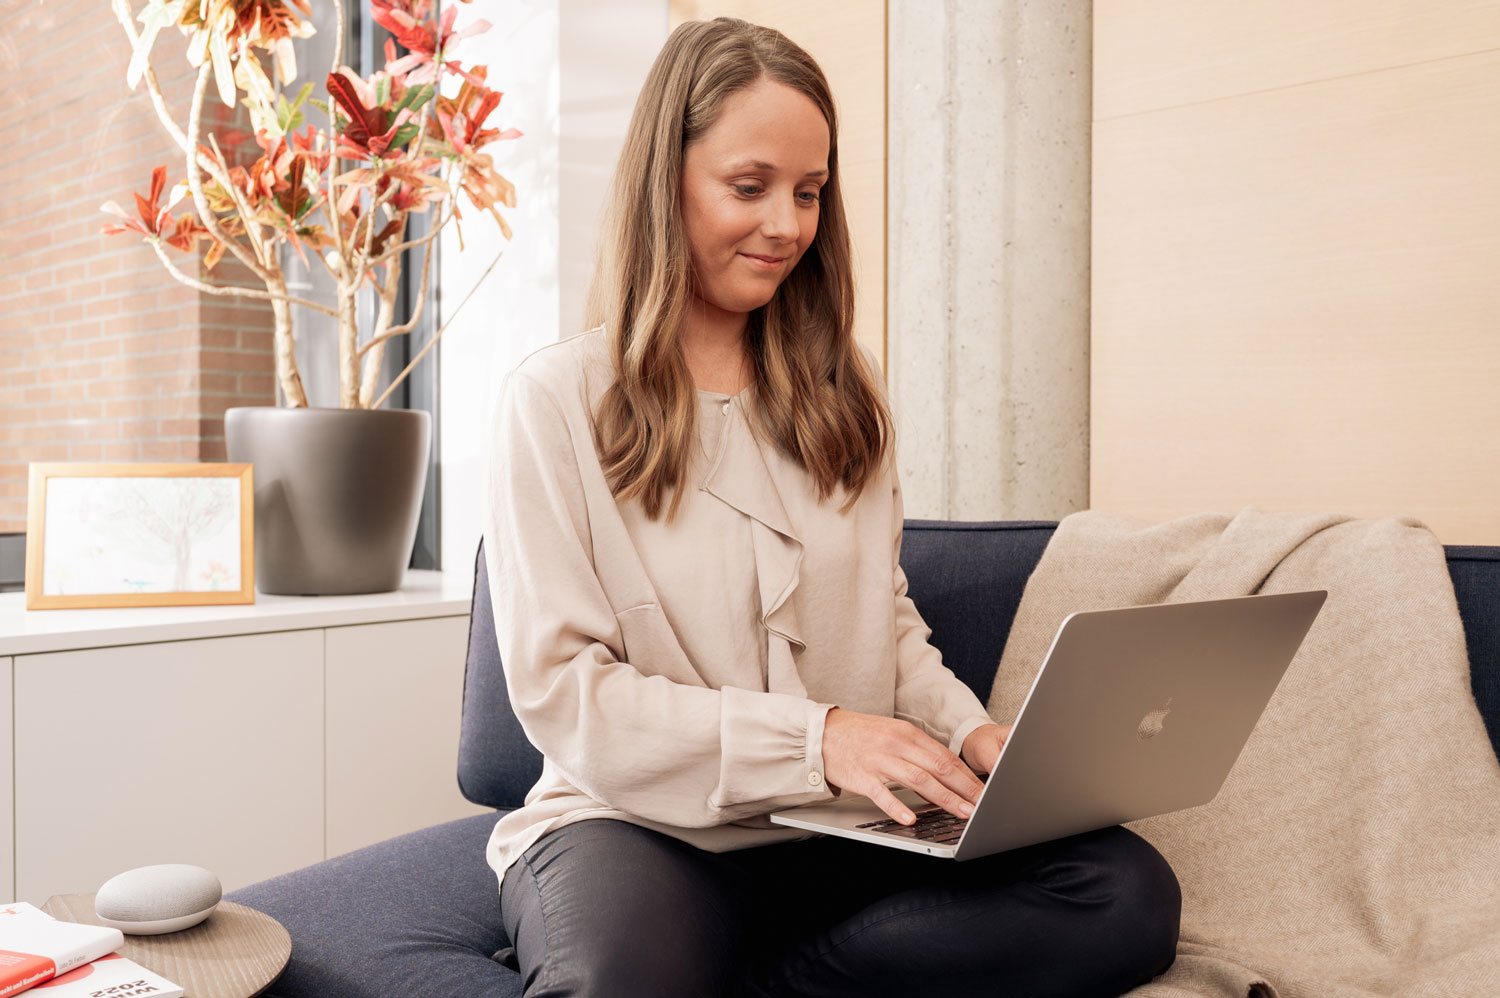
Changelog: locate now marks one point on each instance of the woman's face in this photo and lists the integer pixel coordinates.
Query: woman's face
(750, 187)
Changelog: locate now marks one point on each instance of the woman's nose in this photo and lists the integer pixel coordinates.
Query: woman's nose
(780, 220)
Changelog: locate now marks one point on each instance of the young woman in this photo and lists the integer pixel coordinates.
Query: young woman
(693, 530)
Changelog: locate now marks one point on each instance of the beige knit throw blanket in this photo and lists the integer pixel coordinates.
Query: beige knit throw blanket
(1355, 848)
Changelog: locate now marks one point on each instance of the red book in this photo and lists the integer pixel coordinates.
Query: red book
(35, 947)
(19, 971)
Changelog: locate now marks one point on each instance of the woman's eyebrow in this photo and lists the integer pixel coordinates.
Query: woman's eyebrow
(760, 164)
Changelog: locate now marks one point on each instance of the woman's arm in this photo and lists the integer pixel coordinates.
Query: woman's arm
(936, 714)
(936, 717)
(671, 752)
(928, 694)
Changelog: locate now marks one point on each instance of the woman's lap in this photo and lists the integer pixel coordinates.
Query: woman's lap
(607, 907)
(604, 907)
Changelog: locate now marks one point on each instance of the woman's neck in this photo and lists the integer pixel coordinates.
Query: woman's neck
(713, 346)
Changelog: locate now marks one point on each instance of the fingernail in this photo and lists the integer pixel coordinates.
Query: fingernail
(907, 817)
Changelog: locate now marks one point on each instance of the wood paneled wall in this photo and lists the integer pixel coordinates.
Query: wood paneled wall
(847, 37)
(1296, 259)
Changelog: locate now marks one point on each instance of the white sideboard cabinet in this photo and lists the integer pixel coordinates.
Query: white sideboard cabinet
(393, 703)
(251, 740)
(7, 786)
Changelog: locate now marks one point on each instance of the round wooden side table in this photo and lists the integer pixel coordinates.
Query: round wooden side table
(234, 953)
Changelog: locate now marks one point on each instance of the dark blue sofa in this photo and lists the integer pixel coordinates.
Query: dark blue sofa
(419, 915)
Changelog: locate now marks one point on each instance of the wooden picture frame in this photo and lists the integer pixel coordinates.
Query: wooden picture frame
(123, 535)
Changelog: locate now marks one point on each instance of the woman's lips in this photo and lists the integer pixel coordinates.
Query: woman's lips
(764, 262)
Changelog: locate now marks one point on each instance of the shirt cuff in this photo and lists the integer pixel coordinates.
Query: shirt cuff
(817, 718)
(772, 747)
(964, 730)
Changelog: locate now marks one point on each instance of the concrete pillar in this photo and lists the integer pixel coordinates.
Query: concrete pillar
(987, 275)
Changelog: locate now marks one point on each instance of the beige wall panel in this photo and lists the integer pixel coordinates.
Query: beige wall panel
(864, 193)
(1152, 54)
(847, 37)
(1295, 297)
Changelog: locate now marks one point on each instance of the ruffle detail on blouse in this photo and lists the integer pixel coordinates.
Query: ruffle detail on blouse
(752, 476)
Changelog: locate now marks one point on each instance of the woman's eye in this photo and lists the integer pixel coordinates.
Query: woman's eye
(809, 197)
(747, 190)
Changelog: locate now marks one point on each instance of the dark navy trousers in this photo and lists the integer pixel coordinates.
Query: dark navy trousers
(610, 909)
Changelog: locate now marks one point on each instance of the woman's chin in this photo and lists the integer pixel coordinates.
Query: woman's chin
(749, 299)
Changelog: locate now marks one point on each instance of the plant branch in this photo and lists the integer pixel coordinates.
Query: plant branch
(252, 231)
(195, 184)
(387, 309)
(159, 100)
(324, 261)
(122, 14)
(416, 310)
(334, 221)
(414, 150)
(383, 334)
(414, 243)
(371, 372)
(377, 201)
(437, 335)
(231, 290)
(350, 282)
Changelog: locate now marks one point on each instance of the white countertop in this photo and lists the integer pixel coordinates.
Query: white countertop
(422, 594)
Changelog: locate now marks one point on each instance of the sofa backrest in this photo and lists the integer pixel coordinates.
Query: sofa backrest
(966, 580)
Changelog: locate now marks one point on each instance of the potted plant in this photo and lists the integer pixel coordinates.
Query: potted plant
(337, 491)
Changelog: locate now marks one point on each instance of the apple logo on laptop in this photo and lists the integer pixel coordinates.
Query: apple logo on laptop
(1153, 722)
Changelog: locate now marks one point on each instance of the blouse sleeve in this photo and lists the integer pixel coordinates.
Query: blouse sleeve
(666, 751)
(928, 694)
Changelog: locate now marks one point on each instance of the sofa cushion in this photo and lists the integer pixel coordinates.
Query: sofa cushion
(966, 580)
(417, 915)
(1476, 583)
(496, 762)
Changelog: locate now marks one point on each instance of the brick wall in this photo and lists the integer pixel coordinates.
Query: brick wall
(103, 355)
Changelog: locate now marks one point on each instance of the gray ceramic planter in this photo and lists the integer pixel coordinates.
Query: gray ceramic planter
(337, 494)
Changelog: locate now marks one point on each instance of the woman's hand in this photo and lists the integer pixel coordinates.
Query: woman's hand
(982, 747)
(862, 752)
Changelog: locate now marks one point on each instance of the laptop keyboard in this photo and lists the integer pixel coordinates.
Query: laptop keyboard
(933, 824)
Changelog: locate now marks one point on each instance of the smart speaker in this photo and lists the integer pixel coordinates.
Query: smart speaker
(150, 900)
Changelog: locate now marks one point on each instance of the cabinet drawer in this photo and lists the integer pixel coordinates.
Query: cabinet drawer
(395, 695)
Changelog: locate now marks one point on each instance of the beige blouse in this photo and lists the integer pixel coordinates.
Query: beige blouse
(678, 676)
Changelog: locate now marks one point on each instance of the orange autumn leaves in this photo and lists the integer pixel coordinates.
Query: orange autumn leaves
(154, 220)
(409, 146)
(462, 120)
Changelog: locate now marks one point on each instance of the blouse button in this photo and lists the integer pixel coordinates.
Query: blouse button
(815, 779)
(726, 406)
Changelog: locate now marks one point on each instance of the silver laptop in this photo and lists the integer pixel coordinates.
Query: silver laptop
(1135, 712)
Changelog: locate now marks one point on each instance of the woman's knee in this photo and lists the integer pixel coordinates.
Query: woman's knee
(1137, 903)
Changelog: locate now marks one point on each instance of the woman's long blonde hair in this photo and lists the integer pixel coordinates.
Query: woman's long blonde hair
(817, 399)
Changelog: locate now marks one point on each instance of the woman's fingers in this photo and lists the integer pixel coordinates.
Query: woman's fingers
(943, 779)
(954, 774)
(982, 748)
(863, 752)
(887, 802)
